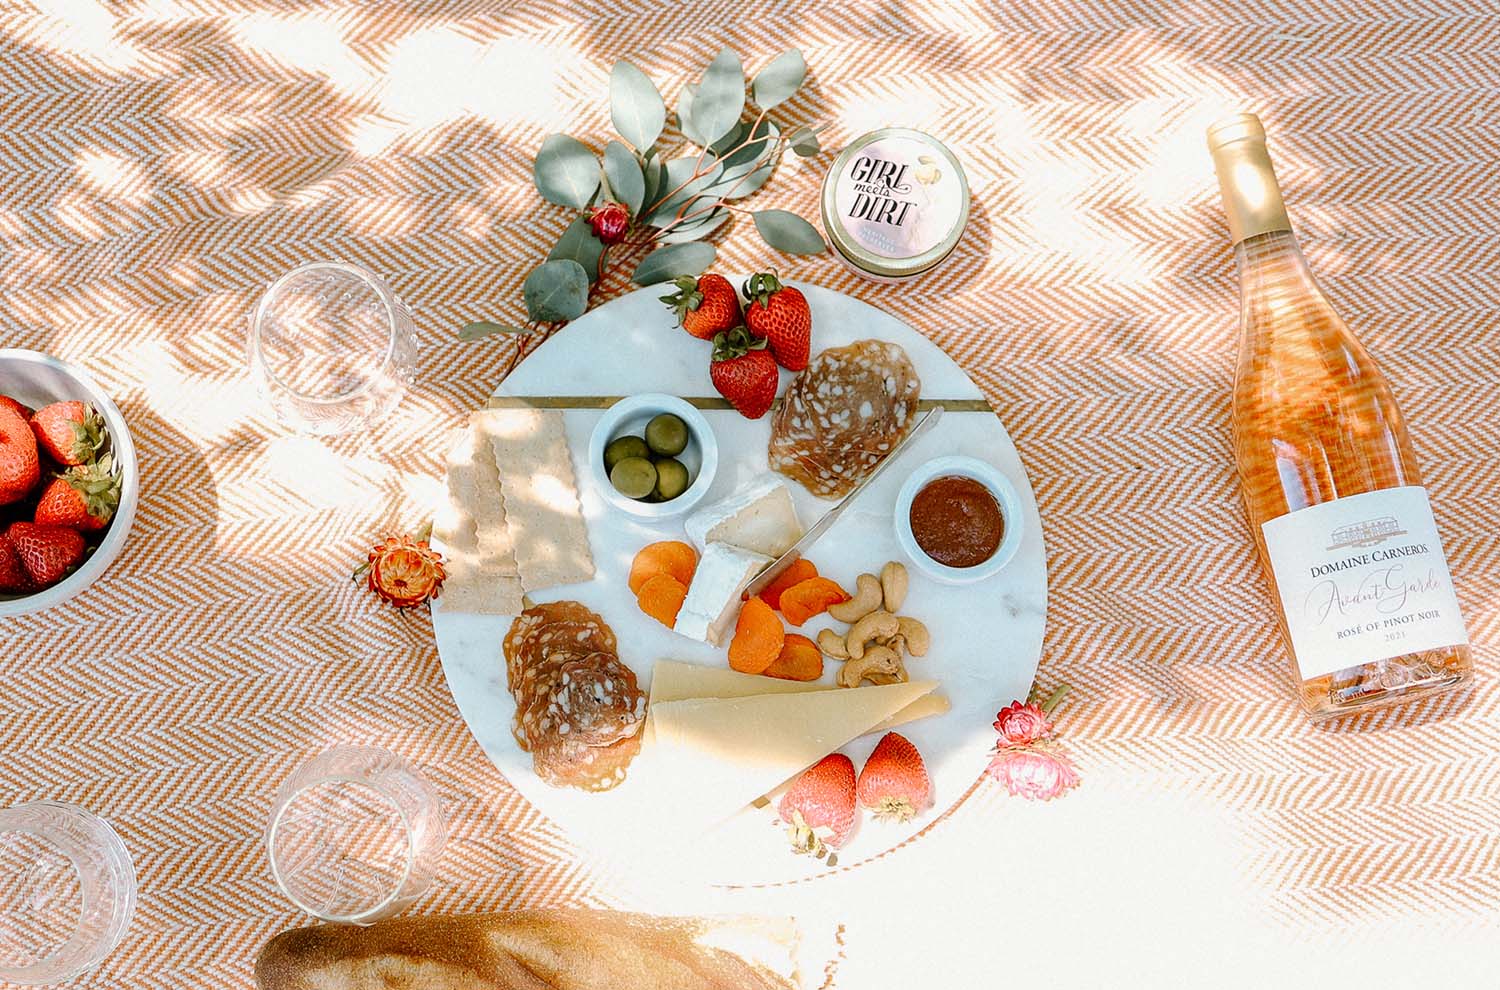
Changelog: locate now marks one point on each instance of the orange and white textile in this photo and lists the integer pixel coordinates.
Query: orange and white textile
(162, 161)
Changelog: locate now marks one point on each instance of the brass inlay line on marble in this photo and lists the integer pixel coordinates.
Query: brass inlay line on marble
(697, 401)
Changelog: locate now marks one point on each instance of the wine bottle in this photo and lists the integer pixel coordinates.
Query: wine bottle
(1329, 479)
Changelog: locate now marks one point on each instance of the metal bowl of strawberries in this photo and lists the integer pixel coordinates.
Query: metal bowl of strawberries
(68, 481)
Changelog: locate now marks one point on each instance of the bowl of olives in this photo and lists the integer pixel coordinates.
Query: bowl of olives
(653, 455)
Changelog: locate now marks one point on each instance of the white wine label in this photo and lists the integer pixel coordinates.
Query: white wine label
(1363, 578)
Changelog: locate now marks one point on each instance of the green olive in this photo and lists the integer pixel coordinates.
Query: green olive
(666, 435)
(671, 479)
(634, 477)
(622, 447)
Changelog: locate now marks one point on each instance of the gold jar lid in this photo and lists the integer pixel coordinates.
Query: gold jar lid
(895, 203)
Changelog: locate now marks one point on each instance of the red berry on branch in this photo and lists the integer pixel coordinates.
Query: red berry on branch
(610, 222)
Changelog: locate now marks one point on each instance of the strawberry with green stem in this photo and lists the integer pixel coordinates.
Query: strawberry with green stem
(83, 497)
(894, 782)
(744, 372)
(780, 314)
(819, 808)
(706, 306)
(69, 432)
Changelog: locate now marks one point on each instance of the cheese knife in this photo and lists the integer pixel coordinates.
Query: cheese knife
(823, 525)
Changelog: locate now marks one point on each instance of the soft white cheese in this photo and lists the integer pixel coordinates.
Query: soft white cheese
(713, 600)
(760, 518)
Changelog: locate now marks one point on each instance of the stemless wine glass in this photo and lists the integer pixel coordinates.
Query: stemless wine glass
(331, 348)
(67, 891)
(355, 835)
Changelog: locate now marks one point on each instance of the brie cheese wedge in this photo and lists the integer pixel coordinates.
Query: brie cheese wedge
(761, 518)
(713, 599)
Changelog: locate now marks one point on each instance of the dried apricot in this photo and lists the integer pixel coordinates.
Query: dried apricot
(798, 571)
(758, 638)
(661, 597)
(808, 598)
(799, 660)
(667, 557)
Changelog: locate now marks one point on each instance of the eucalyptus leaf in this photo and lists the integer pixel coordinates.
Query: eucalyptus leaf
(556, 291)
(566, 171)
(623, 172)
(679, 173)
(695, 229)
(580, 244)
(804, 141)
(686, 122)
(740, 188)
(779, 81)
(484, 328)
(734, 137)
(748, 158)
(785, 231)
(673, 260)
(655, 171)
(720, 99)
(635, 105)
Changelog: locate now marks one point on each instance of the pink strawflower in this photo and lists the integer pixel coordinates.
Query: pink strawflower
(1034, 774)
(1021, 724)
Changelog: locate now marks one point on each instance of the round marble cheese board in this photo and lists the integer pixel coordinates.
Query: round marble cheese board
(986, 636)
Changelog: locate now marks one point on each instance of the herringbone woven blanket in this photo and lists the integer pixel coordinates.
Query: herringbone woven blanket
(160, 163)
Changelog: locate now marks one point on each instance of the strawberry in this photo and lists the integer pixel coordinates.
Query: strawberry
(779, 313)
(819, 807)
(68, 432)
(13, 576)
(705, 306)
(26, 411)
(744, 372)
(20, 468)
(82, 498)
(894, 783)
(47, 552)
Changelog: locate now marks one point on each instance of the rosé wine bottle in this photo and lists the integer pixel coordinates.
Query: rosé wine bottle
(1330, 482)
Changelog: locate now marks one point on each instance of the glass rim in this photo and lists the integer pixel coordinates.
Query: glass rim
(92, 951)
(408, 832)
(363, 274)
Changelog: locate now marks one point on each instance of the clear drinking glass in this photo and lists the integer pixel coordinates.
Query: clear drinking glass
(331, 348)
(67, 891)
(355, 835)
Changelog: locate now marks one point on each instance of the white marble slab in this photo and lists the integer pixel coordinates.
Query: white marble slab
(986, 637)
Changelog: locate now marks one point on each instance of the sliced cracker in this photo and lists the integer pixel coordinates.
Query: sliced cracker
(542, 511)
(479, 558)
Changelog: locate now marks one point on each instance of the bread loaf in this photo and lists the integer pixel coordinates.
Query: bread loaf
(535, 950)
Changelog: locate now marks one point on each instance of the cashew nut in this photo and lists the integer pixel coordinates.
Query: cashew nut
(832, 644)
(918, 639)
(877, 660)
(867, 598)
(880, 678)
(893, 583)
(864, 632)
(897, 643)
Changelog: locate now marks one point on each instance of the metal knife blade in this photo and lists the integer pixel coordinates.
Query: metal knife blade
(830, 517)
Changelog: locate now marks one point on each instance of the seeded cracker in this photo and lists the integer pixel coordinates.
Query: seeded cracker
(541, 498)
(481, 564)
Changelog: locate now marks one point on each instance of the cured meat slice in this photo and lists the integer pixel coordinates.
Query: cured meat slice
(843, 414)
(567, 763)
(579, 709)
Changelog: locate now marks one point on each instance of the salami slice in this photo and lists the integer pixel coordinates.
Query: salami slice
(843, 414)
(579, 709)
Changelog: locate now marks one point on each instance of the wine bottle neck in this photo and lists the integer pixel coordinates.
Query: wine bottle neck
(1247, 181)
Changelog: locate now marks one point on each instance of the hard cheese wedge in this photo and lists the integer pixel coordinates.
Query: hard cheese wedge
(761, 518)
(672, 680)
(718, 755)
